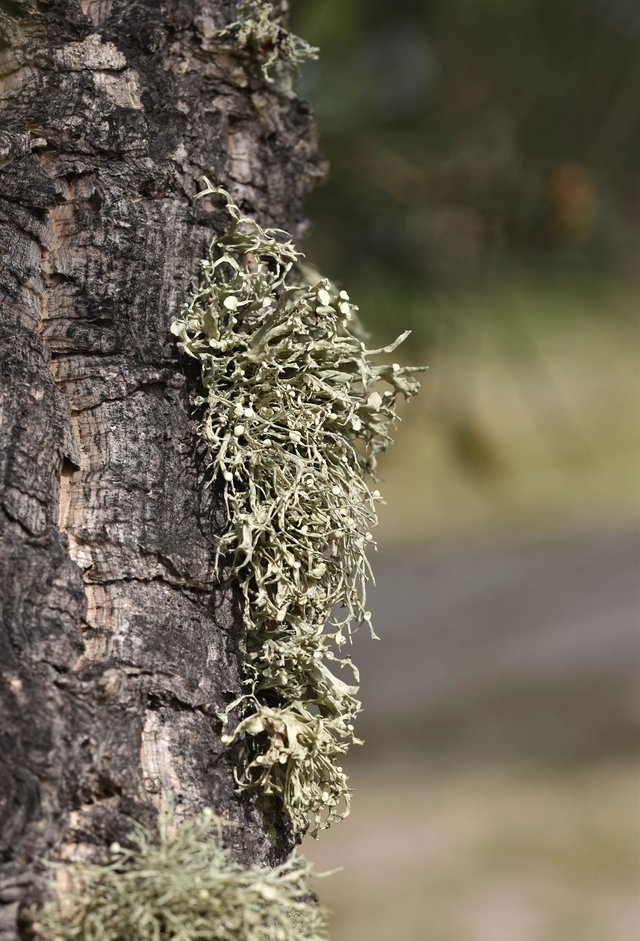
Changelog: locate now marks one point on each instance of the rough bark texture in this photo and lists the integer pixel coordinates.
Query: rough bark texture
(117, 647)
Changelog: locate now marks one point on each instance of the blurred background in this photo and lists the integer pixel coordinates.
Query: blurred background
(484, 191)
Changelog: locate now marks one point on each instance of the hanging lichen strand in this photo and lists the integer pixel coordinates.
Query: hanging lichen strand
(294, 413)
(180, 883)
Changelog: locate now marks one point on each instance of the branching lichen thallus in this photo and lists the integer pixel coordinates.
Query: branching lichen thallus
(294, 412)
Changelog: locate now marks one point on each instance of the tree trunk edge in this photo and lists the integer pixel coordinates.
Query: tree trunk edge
(112, 114)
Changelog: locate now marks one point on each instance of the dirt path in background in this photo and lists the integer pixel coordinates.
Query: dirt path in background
(541, 630)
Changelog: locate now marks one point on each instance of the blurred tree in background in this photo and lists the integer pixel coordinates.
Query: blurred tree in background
(472, 141)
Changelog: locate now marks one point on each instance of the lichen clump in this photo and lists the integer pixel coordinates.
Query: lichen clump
(258, 33)
(180, 884)
(294, 411)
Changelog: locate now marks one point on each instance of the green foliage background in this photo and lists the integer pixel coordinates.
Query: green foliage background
(472, 140)
(483, 189)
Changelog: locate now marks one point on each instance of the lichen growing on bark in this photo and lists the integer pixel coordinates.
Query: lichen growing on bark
(258, 34)
(294, 412)
(180, 884)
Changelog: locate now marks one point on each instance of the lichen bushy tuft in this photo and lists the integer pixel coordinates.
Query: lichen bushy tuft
(180, 884)
(258, 33)
(294, 413)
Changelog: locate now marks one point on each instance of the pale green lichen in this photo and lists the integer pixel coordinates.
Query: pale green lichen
(294, 413)
(180, 884)
(258, 33)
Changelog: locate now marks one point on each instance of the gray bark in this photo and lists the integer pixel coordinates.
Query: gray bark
(117, 646)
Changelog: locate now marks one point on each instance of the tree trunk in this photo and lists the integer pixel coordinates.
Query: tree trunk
(118, 647)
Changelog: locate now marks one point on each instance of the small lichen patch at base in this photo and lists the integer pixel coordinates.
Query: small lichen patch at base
(180, 884)
(295, 410)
